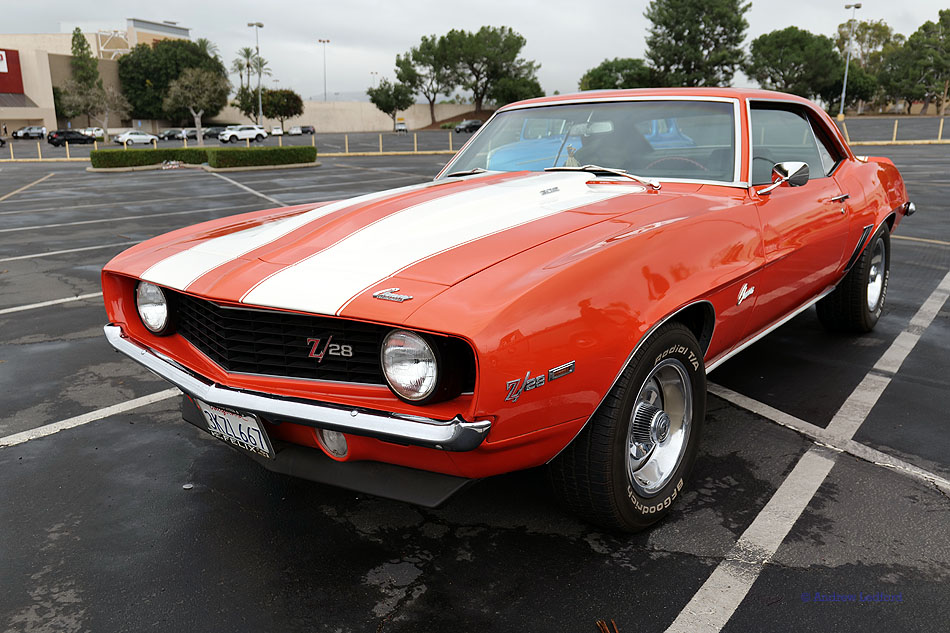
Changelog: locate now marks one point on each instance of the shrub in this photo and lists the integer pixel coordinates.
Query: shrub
(450, 125)
(214, 156)
(257, 156)
(138, 157)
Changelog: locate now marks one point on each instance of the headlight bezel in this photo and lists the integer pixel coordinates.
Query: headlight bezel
(168, 325)
(449, 373)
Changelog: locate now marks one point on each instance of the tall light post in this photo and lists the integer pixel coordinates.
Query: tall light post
(374, 75)
(324, 42)
(844, 86)
(257, 47)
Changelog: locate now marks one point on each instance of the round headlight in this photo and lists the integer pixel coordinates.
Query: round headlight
(410, 366)
(152, 306)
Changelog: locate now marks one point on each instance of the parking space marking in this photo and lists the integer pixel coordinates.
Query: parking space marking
(25, 187)
(99, 205)
(69, 250)
(249, 190)
(919, 239)
(37, 227)
(86, 418)
(814, 432)
(725, 589)
(857, 407)
(52, 302)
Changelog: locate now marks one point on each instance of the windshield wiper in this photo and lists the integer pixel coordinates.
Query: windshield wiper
(609, 170)
(467, 172)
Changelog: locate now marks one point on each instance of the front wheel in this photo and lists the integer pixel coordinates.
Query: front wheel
(628, 466)
(858, 301)
(258, 138)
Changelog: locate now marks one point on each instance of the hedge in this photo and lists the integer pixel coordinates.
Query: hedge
(214, 156)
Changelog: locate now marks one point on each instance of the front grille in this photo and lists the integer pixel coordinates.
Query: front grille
(274, 343)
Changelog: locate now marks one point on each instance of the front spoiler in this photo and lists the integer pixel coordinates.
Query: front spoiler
(456, 434)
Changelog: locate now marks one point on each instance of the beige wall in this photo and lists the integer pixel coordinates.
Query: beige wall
(34, 69)
(352, 116)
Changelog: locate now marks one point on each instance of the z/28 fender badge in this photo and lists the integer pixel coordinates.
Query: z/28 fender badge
(516, 387)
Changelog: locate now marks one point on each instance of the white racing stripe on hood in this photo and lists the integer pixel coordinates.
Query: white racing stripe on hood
(185, 267)
(326, 281)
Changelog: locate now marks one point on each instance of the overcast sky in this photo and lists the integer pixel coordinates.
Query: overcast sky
(567, 38)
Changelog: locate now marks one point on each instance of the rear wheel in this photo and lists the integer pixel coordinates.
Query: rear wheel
(258, 138)
(627, 467)
(858, 301)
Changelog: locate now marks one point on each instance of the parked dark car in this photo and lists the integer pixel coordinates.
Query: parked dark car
(468, 125)
(213, 131)
(307, 129)
(189, 132)
(170, 134)
(58, 138)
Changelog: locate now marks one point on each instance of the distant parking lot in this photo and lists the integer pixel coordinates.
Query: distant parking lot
(129, 519)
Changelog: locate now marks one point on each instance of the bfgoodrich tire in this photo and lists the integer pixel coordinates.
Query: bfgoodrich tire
(858, 301)
(628, 466)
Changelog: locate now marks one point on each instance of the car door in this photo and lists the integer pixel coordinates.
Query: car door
(804, 228)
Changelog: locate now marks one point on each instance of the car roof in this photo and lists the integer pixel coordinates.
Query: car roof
(606, 95)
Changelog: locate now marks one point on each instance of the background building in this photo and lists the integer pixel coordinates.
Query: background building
(32, 64)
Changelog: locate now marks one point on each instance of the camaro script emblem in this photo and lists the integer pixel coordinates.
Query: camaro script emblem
(389, 294)
(744, 293)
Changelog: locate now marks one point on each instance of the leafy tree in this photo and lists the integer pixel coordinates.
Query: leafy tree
(870, 38)
(862, 86)
(428, 70)
(696, 42)
(919, 68)
(794, 60)
(390, 97)
(481, 59)
(511, 89)
(281, 104)
(198, 90)
(97, 103)
(245, 100)
(618, 73)
(63, 108)
(147, 71)
(207, 47)
(85, 67)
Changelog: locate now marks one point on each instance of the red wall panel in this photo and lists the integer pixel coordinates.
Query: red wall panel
(12, 80)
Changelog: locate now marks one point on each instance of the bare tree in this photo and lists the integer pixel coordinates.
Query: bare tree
(98, 103)
(197, 90)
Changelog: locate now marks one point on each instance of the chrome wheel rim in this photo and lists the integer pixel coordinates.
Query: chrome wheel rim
(876, 275)
(659, 427)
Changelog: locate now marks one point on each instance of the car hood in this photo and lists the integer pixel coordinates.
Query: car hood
(420, 239)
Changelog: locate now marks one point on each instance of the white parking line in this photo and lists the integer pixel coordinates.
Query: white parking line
(68, 250)
(85, 418)
(711, 607)
(52, 302)
(249, 190)
(37, 227)
(115, 203)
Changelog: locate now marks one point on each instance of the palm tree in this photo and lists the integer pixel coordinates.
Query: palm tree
(237, 66)
(207, 46)
(244, 59)
(260, 66)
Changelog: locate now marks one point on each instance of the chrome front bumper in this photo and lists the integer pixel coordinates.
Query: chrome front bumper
(456, 434)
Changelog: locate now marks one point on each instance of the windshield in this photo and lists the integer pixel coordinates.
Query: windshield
(693, 140)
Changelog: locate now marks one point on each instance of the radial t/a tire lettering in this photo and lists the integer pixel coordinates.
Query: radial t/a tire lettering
(857, 302)
(630, 464)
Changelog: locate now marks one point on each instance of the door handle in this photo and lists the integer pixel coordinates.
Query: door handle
(841, 198)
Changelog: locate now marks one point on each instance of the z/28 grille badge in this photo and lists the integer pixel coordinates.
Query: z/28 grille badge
(389, 294)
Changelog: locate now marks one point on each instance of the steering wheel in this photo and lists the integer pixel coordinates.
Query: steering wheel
(681, 159)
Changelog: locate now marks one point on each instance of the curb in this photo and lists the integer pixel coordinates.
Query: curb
(117, 170)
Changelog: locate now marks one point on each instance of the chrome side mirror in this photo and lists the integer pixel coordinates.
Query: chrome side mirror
(795, 173)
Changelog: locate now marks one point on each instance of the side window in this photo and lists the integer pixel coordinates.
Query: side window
(827, 150)
(782, 134)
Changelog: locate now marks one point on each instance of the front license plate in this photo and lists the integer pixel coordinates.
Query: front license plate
(240, 429)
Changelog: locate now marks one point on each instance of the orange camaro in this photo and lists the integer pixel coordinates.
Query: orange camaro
(555, 296)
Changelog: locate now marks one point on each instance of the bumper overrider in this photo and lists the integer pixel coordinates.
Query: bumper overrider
(456, 434)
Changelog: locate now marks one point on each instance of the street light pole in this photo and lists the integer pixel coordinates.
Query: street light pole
(324, 42)
(374, 74)
(844, 86)
(257, 47)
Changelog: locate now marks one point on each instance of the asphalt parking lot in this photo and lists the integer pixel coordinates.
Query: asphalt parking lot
(99, 532)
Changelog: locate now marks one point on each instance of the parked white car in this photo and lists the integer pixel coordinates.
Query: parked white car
(95, 132)
(295, 131)
(240, 132)
(134, 136)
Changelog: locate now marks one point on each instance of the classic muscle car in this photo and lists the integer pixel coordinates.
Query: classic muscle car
(407, 342)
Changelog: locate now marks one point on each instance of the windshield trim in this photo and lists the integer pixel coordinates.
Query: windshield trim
(736, 116)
